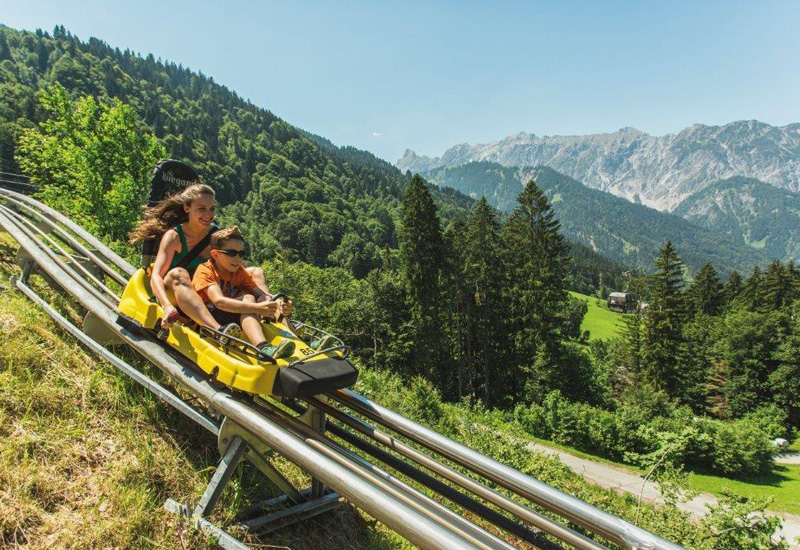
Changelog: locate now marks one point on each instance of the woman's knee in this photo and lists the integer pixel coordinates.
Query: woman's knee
(248, 299)
(178, 277)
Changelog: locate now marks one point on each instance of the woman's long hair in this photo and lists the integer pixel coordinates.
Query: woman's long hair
(167, 213)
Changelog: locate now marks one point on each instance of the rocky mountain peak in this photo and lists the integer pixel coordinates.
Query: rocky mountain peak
(661, 171)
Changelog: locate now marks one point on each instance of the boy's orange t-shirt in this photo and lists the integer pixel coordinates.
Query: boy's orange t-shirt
(233, 285)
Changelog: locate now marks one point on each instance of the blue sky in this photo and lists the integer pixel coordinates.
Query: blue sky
(427, 75)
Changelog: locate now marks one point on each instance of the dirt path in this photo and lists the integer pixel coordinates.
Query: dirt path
(620, 479)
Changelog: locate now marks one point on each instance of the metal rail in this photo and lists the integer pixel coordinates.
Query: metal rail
(32, 228)
(26, 230)
(93, 241)
(420, 519)
(535, 519)
(74, 242)
(399, 489)
(597, 521)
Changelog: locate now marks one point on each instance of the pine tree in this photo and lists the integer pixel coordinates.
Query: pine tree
(456, 299)
(705, 293)
(387, 315)
(420, 252)
(632, 346)
(5, 50)
(749, 297)
(482, 277)
(778, 289)
(733, 288)
(785, 380)
(43, 56)
(536, 258)
(663, 324)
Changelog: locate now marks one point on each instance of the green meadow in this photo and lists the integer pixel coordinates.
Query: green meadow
(599, 321)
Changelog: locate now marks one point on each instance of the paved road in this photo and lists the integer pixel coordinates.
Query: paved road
(789, 457)
(620, 479)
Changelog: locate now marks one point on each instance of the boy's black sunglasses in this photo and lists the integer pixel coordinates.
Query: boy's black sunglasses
(232, 253)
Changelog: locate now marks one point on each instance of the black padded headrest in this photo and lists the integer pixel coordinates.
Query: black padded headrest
(169, 177)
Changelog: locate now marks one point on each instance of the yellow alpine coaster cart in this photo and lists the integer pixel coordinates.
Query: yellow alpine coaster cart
(225, 358)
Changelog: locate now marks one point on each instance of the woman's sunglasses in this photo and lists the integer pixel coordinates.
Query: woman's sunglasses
(232, 253)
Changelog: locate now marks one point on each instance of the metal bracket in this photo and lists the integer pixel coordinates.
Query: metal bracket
(257, 454)
(221, 477)
(27, 267)
(224, 540)
(89, 265)
(26, 262)
(280, 519)
(98, 331)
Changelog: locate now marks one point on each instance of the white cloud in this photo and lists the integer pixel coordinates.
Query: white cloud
(376, 134)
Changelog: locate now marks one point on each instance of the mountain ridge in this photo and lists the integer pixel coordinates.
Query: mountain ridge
(658, 171)
(609, 225)
(751, 212)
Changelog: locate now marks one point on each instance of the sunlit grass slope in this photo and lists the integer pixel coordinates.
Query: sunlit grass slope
(601, 322)
(782, 485)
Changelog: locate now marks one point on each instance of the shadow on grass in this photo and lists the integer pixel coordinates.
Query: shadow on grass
(775, 478)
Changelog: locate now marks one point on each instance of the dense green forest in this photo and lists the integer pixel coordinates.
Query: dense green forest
(473, 302)
(623, 231)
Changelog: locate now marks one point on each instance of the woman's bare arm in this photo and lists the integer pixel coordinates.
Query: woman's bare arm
(166, 251)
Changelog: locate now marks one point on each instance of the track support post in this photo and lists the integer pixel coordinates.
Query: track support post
(221, 477)
(236, 444)
(27, 268)
(294, 505)
(316, 419)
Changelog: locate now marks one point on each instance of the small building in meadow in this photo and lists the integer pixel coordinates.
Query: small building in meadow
(623, 302)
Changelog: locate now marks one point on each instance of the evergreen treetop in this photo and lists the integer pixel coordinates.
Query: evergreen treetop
(706, 292)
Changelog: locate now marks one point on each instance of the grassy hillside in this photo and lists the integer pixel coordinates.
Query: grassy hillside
(781, 487)
(601, 322)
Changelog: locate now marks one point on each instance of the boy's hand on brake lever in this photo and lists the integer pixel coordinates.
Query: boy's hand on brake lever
(268, 309)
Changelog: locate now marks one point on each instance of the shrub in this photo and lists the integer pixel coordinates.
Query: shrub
(628, 421)
(771, 419)
(532, 419)
(742, 449)
(634, 434)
